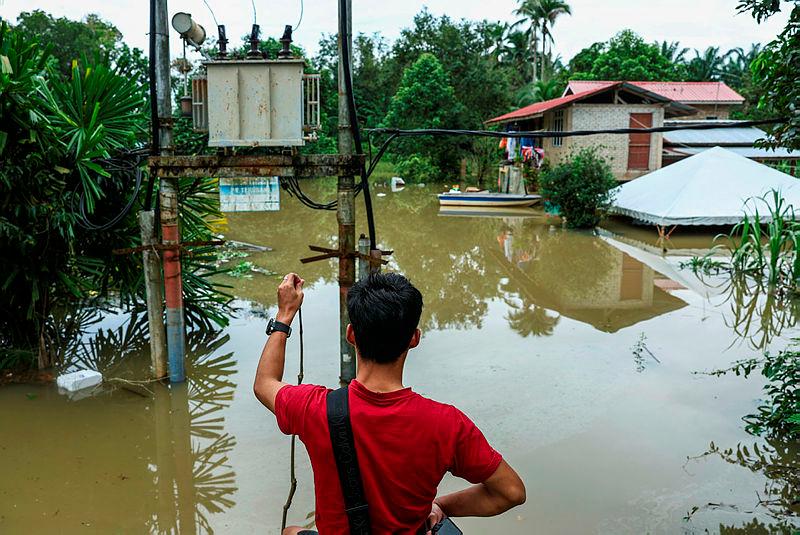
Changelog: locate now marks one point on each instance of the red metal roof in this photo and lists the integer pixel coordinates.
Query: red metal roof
(684, 92)
(540, 107)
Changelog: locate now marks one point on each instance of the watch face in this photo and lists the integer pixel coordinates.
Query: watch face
(271, 326)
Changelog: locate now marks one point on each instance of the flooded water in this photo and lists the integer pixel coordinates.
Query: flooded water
(575, 352)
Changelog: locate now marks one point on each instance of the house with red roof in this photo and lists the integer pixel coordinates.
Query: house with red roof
(711, 100)
(603, 105)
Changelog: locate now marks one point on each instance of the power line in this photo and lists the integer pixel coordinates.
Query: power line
(302, 9)
(212, 13)
(566, 133)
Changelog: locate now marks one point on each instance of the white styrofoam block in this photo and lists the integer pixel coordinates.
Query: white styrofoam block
(79, 380)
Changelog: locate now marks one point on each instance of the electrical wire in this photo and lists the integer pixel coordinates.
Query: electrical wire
(568, 133)
(302, 9)
(154, 122)
(344, 38)
(212, 13)
(125, 163)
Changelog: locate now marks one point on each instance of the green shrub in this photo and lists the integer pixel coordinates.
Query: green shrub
(581, 188)
(417, 169)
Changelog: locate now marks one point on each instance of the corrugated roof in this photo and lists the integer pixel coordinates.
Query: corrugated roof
(538, 108)
(745, 136)
(747, 152)
(685, 92)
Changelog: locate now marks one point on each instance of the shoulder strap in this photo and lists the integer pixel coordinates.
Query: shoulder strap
(344, 451)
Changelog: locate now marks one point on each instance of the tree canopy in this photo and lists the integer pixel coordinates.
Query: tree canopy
(626, 56)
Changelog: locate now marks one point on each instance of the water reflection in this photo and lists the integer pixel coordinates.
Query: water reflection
(777, 459)
(756, 313)
(461, 264)
(188, 450)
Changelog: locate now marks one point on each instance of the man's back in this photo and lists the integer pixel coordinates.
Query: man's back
(405, 444)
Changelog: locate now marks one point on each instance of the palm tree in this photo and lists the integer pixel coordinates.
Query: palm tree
(706, 66)
(673, 51)
(516, 50)
(736, 70)
(549, 11)
(538, 91)
(529, 11)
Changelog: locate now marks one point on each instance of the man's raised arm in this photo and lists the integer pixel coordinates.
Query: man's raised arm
(269, 375)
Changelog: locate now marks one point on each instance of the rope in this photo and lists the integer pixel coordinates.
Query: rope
(292, 474)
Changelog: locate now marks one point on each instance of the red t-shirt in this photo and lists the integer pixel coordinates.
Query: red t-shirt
(405, 444)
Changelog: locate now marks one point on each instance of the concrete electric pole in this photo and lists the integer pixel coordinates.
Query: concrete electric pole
(346, 211)
(168, 194)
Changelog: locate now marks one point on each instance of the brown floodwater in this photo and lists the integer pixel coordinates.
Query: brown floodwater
(575, 352)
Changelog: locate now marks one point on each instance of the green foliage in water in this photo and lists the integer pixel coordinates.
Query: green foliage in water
(581, 188)
(415, 168)
(779, 411)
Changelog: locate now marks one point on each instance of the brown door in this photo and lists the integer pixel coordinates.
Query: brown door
(639, 144)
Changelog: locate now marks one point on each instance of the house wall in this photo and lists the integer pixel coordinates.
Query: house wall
(613, 147)
(720, 111)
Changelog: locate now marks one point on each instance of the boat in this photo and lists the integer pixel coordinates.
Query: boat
(485, 198)
(489, 211)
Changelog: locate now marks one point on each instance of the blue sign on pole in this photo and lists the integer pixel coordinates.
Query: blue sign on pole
(256, 194)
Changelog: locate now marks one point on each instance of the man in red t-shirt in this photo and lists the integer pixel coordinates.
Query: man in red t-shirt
(404, 442)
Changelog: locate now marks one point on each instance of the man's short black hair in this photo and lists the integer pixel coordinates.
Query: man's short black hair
(384, 312)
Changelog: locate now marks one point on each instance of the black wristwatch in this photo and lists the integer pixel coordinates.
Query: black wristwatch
(275, 325)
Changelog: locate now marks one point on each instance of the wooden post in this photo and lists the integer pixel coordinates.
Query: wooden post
(346, 212)
(155, 296)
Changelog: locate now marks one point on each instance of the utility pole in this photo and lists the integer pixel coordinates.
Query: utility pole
(168, 194)
(346, 211)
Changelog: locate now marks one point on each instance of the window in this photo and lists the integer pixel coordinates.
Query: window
(558, 126)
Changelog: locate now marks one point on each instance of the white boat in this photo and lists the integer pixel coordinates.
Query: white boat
(484, 198)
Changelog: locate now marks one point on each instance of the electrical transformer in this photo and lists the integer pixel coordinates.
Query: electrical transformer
(255, 102)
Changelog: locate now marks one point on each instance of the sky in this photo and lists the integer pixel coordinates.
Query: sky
(695, 23)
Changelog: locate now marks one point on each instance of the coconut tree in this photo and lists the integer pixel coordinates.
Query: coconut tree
(706, 65)
(549, 11)
(530, 13)
(538, 91)
(673, 51)
(736, 70)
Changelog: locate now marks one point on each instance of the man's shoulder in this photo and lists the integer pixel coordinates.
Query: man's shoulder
(301, 393)
(437, 407)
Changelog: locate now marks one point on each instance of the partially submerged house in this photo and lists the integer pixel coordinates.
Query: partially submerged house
(604, 105)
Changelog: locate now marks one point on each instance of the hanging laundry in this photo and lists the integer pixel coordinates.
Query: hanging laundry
(513, 148)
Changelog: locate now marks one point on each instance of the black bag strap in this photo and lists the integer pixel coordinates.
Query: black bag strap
(344, 451)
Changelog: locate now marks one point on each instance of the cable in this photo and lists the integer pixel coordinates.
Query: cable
(302, 9)
(568, 133)
(292, 473)
(126, 163)
(212, 13)
(344, 38)
(154, 123)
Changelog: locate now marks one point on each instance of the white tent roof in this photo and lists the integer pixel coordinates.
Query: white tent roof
(709, 188)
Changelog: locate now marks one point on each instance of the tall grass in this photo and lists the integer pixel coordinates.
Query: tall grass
(767, 249)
